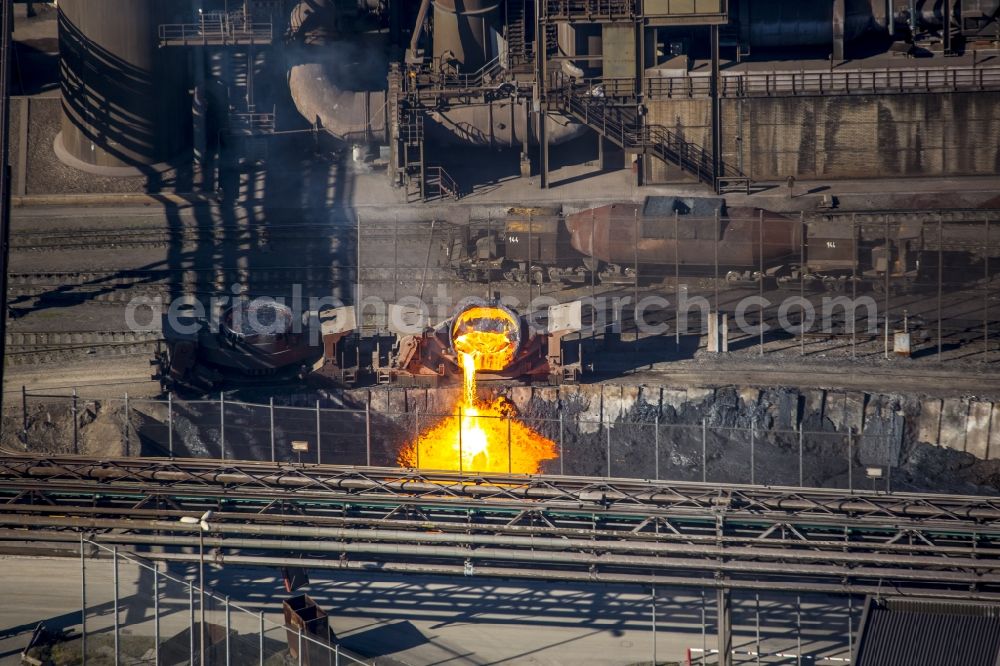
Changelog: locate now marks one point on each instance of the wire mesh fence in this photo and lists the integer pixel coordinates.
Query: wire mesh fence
(133, 612)
(712, 450)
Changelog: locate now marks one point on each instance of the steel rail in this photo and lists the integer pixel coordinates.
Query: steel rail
(535, 548)
(713, 561)
(575, 525)
(522, 572)
(318, 526)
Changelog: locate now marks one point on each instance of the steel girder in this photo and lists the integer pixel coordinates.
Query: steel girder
(544, 527)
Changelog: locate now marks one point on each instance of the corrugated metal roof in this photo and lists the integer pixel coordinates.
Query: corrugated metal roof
(929, 633)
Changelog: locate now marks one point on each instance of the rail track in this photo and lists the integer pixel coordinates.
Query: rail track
(120, 286)
(132, 237)
(30, 348)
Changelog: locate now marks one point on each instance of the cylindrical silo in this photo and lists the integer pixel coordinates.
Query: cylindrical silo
(466, 30)
(126, 107)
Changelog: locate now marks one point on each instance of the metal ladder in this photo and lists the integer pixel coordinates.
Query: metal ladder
(411, 143)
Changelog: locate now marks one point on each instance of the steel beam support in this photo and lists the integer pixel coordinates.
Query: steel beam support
(723, 610)
(116, 620)
(83, 602)
(333, 484)
(716, 93)
(6, 181)
(839, 18)
(946, 29)
(156, 616)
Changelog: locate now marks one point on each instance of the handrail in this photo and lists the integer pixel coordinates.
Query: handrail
(216, 30)
(621, 124)
(856, 82)
(588, 9)
(435, 74)
(446, 185)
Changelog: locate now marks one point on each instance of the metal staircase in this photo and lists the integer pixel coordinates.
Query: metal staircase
(621, 123)
(440, 185)
(423, 182)
(519, 56)
(411, 152)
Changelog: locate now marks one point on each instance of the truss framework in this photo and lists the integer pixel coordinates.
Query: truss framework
(539, 527)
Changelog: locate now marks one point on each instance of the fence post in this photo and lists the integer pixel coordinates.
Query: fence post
(300, 646)
(656, 447)
(156, 616)
(319, 456)
(561, 451)
(753, 445)
(510, 456)
(850, 626)
(76, 436)
(460, 461)
(607, 431)
(801, 478)
(260, 620)
(24, 416)
(756, 618)
(191, 623)
(170, 424)
(126, 424)
(850, 460)
(228, 625)
(416, 434)
(271, 410)
(368, 431)
(798, 630)
(83, 602)
(222, 424)
(704, 450)
(114, 553)
(336, 654)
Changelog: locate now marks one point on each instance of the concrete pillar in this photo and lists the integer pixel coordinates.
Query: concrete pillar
(929, 423)
(977, 434)
(718, 333)
(839, 16)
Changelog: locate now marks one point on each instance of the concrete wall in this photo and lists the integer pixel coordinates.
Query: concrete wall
(689, 118)
(858, 136)
(884, 423)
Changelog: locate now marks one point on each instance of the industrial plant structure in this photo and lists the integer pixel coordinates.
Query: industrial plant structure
(249, 339)
(711, 91)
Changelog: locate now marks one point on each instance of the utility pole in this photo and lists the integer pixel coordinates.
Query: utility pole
(6, 49)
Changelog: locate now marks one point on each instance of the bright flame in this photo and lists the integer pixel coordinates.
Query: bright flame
(480, 436)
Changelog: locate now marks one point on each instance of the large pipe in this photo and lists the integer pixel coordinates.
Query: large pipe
(791, 23)
(125, 105)
(436, 531)
(418, 28)
(704, 559)
(338, 79)
(555, 493)
(329, 538)
(465, 30)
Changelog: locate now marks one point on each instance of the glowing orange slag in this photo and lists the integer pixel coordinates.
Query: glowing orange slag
(480, 436)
